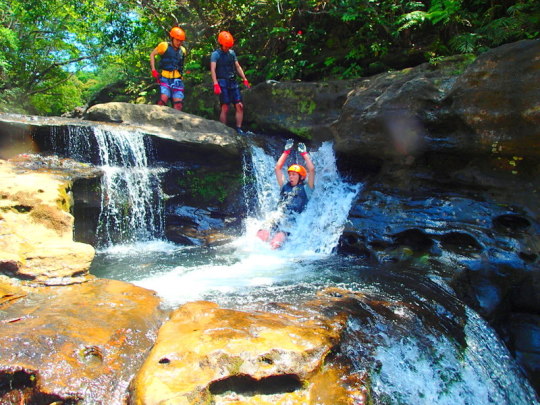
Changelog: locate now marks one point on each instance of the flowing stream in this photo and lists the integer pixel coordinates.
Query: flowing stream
(424, 347)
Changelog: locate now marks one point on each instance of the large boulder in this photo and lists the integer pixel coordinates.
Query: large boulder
(385, 116)
(208, 354)
(301, 108)
(73, 344)
(498, 98)
(168, 123)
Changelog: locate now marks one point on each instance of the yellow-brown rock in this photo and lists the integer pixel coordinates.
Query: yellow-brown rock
(36, 228)
(207, 354)
(81, 342)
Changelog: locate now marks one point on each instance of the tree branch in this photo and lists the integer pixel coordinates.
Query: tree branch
(52, 86)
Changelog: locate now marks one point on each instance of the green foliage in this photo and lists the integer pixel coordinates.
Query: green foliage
(50, 40)
(465, 43)
(63, 98)
(209, 188)
(51, 48)
(9, 47)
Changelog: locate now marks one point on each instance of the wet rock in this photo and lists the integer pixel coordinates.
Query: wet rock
(78, 343)
(460, 243)
(526, 293)
(198, 226)
(205, 353)
(414, 239)
(524, 330)
(451, 228)
(36, 229)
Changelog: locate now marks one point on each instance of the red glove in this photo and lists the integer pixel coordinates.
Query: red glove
(217, 89)
(246, 83)
(155, 73)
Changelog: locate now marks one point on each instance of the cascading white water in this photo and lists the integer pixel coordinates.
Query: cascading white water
(433, 370)
(131, 197)
(131, 204)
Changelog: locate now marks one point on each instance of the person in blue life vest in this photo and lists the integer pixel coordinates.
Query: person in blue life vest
(224, 66)
(293, 198)
(171, 65)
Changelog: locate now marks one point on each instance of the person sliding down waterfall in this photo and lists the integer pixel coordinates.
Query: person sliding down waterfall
(293, 198)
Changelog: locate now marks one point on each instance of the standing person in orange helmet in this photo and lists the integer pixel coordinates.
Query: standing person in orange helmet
(172, 68)
(293, 197)
(224, 66)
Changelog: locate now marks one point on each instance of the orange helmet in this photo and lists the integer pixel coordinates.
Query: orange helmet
(301, 170)
(178, 33)
(226, 39)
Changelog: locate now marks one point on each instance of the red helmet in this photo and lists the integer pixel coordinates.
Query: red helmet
(226, 39)
(301, 170)
(178, 33)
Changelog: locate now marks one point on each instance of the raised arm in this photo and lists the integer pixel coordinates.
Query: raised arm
(281, 161)
(309, 165)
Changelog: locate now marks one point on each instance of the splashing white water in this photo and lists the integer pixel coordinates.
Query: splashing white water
(251, 262)
(438, 373)
(319, 227)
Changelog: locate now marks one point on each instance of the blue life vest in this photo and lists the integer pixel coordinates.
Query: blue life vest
(172, 59)
(293, 199)
(225, 64)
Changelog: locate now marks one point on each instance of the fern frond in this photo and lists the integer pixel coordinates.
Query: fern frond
(465, 43)
(411, 19)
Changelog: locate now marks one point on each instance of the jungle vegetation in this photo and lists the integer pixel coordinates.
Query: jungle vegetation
(58, 54)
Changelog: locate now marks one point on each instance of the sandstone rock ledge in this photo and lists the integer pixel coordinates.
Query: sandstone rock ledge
(66, 344)
(36, 228)
(207, 354)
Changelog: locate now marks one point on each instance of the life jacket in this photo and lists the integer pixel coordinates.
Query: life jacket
(293, 199)
(173, 59)
(225, 65)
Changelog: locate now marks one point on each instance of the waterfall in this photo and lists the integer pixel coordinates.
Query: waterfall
(131, 197)
(319, 227)
(248, 265)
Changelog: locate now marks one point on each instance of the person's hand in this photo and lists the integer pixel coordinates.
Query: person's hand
(217, 89)
(246, 83)
(288, 146)
(302, 148)
(155, 73)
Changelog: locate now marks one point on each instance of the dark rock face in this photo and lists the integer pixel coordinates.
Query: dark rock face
(303, 109)
(497, 97)
(449, 158)
(384, 116)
